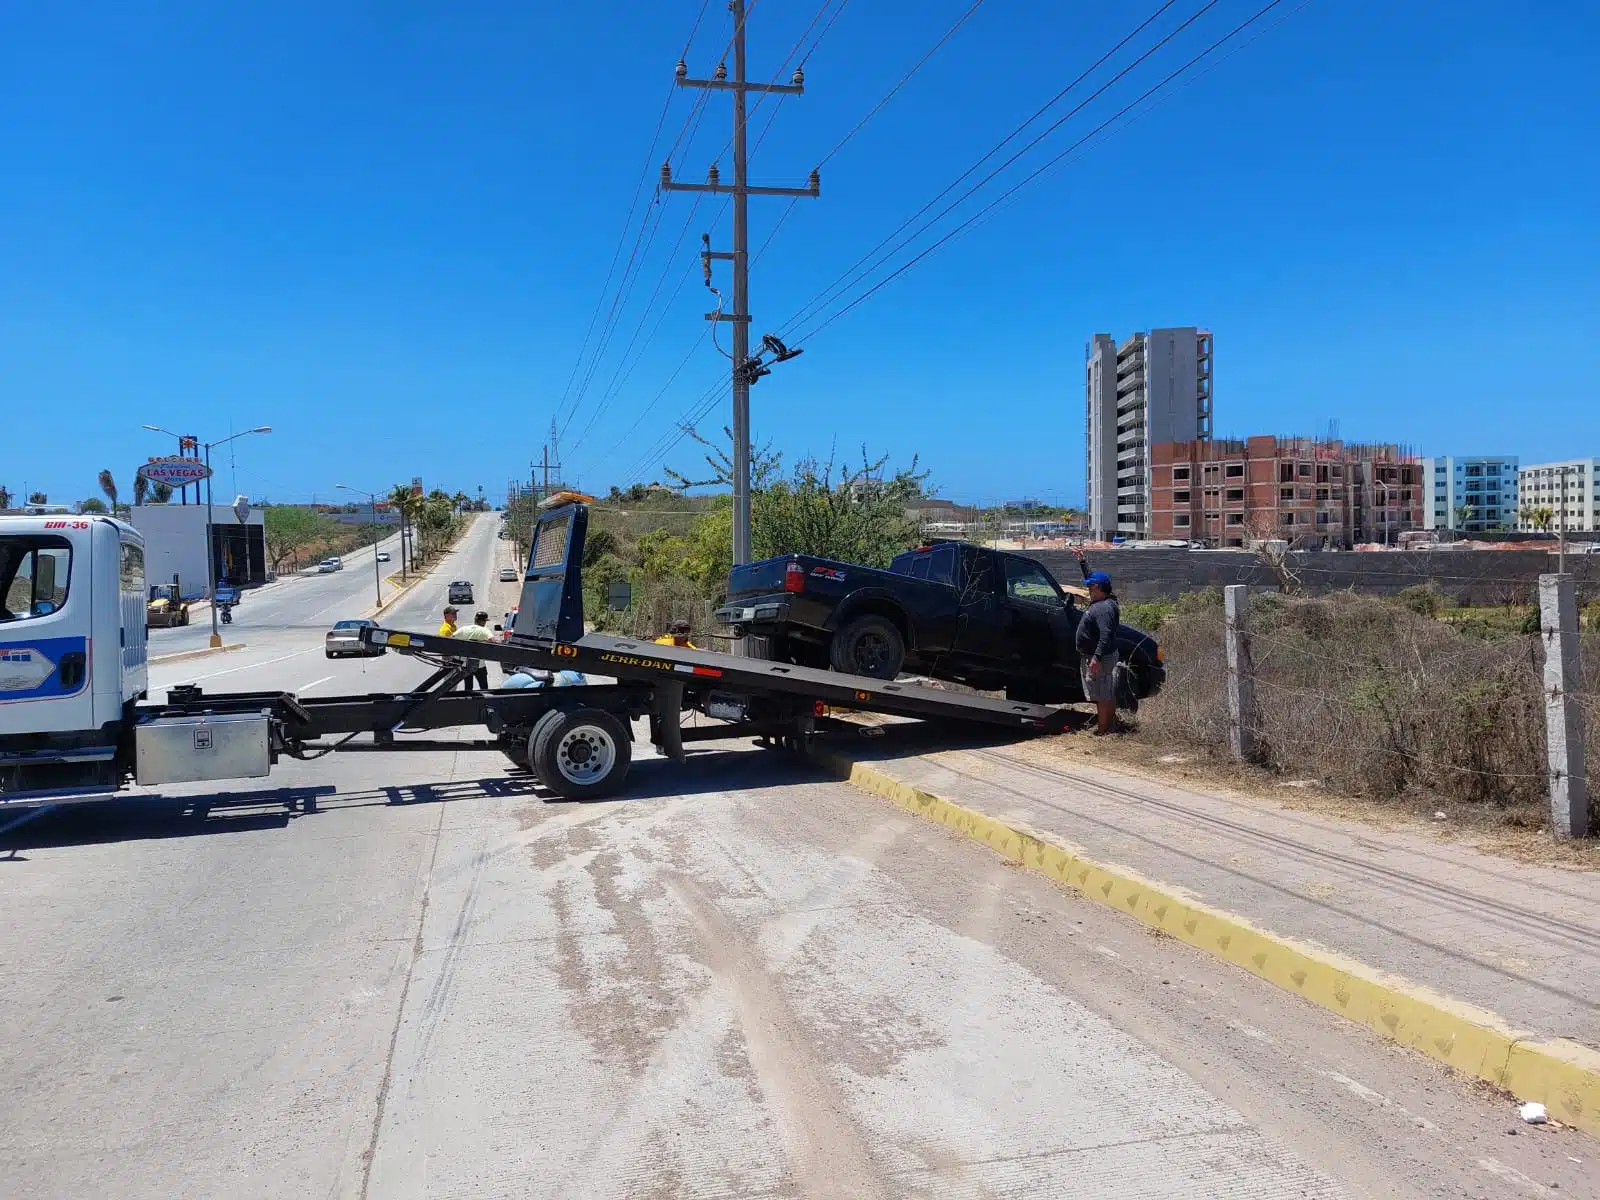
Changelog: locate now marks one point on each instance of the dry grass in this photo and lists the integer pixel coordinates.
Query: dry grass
(1372, 701)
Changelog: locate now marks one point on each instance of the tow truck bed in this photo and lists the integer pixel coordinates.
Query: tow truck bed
(576, 740)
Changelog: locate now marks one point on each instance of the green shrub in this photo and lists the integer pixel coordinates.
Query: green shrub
(1421, 598)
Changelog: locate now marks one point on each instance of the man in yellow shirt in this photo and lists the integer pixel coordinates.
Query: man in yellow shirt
(448, 629)
(478, 631)
(677, 635)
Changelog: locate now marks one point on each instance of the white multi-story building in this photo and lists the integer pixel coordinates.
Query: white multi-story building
(1470, 494)
(1153, 388)
(1567, 489)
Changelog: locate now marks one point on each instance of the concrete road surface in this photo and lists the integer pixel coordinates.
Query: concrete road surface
(741, 980)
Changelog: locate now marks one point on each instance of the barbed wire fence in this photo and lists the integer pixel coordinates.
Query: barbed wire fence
(1369, 697)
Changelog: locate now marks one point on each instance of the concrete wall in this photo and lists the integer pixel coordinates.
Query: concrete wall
(1478, 577)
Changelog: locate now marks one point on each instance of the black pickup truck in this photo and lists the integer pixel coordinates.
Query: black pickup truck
(985, 618)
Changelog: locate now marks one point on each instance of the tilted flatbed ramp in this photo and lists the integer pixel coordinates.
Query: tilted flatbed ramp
(630, 660)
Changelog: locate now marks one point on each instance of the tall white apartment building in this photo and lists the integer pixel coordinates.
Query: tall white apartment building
(1153, 388)
(1567, 489)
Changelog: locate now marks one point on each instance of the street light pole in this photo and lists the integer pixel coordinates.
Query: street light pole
(211, 547)
(377, 576)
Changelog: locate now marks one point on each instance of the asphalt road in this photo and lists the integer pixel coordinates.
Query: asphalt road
(291, 602)
(282, 629)
(741, 980)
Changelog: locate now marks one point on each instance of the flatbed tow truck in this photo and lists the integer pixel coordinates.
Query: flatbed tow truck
(76, 723)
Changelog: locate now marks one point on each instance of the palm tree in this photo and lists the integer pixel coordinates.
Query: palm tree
(108, 485)
(1541, 517)
(403, 502)
(460, 501)
(161, 493)
(141, 489)
(1464, 514)
(5, 497)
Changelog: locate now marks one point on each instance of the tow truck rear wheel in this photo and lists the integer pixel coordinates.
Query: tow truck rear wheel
(581, 754)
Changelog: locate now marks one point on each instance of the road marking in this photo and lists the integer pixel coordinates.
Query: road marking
(241, 667)
(306, 687)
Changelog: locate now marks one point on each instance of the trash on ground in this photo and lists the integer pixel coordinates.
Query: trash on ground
(1534, 1113)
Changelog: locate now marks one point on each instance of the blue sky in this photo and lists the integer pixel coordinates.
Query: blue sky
(384, 228)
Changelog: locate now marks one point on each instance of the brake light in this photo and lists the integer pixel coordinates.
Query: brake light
(794, 578)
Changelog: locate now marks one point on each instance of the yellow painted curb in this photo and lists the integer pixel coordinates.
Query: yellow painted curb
(1561, 1074)
(185, 655)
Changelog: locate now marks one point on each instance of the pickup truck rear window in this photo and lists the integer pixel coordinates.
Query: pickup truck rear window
(938, 564)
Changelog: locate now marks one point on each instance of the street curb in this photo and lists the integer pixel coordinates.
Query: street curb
(186, 655)
(1561, 1074)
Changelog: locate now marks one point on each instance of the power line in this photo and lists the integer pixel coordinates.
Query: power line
(872, 112)
(700, 407)
(849, 275)
(627, 224)
(1048, 164)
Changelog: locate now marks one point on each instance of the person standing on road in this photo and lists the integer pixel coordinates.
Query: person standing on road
(478, 631)
(1096, 642)
(448, 629)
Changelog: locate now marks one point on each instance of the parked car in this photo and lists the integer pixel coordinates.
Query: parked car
(327, 566)
(344, 640)
(989, 619)
(338, 563)
(383, 556)
(460, 592)
(508, 574)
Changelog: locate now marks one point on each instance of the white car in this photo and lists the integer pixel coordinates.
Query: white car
(338, 563)
(383, 556)
(327, 566)
(508, 574)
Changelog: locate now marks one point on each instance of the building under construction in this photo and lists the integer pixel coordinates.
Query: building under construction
(1306, 491)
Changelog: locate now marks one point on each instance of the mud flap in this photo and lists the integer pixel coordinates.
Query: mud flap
(666, 714)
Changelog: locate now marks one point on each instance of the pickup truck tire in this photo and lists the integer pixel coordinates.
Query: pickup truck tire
(581, 754)
(868, 645)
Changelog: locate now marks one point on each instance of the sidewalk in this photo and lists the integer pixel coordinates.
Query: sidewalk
(1519, 941)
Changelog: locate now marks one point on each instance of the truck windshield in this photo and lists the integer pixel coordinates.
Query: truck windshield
(34, 571)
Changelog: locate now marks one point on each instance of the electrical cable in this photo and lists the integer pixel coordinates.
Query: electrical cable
(872, 112)
(633, 206)
(849, 275)
(1047, 165)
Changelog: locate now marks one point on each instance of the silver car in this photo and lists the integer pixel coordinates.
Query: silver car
(344, 640)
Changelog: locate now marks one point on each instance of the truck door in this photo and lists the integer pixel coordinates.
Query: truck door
(980, 631)
(1038, 624)
(45, 626)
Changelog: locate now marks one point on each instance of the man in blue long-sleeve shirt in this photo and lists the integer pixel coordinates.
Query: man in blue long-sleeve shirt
(1097, 648)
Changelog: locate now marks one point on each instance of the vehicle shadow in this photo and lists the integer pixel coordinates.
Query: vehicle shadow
(153, 817)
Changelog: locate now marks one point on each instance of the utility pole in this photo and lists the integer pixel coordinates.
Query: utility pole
(745, 371)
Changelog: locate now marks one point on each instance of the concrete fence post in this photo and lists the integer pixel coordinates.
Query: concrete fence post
(1564, 718)
(1241, 673)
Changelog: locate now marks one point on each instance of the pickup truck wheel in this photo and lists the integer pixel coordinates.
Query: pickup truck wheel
(869, 645)
(582, 754)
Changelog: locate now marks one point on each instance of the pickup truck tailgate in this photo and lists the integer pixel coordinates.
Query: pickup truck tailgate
(756, 579)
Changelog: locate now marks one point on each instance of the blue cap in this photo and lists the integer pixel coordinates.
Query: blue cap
(1098, 579)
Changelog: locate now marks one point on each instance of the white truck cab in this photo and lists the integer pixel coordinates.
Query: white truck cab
(72, 637)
